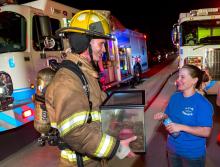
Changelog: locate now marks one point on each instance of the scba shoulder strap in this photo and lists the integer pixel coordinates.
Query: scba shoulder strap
(75, 69)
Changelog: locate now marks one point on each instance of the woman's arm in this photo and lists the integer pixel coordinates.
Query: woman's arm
(197, 130)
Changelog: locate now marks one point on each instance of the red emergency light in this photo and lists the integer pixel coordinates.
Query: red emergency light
(27, 113)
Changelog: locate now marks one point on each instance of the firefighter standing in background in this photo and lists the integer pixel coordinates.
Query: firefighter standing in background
(68, 105)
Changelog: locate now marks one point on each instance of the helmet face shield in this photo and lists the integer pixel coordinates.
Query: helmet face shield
(89, 22)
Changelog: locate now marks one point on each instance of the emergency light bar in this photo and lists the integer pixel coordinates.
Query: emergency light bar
(205, 12)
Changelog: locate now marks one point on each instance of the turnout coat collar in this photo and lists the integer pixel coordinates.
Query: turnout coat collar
(84, 64)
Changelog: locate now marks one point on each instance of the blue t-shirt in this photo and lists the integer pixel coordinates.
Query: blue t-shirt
(195, 110)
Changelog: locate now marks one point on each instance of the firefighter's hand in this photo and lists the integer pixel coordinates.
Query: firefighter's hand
(126, 142)
(124, 149)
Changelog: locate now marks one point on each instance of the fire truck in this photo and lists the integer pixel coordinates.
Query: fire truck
(126, 58)
(197, 37)
(26, 46)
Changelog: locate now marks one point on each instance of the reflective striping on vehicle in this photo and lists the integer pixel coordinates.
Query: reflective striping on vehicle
(18, 110)
(4, 125)
(21, 89)
(2, 129)
(13, 118)
(21, 94)
(10, 120)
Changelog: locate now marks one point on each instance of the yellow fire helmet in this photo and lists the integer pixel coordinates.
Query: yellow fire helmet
(89, 22)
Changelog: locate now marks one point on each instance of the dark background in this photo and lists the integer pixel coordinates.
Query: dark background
(155, 17)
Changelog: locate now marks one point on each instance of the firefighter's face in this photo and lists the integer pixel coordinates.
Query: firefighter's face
(98, 48)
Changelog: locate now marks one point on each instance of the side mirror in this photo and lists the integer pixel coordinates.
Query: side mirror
(46, 31)
(175, 34)
(45, 26)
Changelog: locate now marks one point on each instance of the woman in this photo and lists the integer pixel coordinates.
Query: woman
(191, 115)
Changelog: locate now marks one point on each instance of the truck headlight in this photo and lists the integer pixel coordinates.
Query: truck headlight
(2, 91)
(6, 90)
(6, 86)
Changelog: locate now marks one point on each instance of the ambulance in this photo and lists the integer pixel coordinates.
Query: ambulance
(126, 59)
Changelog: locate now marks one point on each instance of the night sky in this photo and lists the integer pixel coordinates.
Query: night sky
(155, 17)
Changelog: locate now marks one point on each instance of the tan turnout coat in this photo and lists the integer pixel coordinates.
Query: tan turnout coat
(67, 103)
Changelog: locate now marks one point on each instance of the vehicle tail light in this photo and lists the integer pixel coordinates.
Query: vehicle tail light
(27, 113)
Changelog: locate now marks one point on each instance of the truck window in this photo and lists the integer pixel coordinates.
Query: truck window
(38, 40)
(12, 32)
(200, 32)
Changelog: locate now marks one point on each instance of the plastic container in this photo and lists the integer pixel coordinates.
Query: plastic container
(123, 117)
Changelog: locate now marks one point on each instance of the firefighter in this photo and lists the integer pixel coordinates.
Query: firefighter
(77, 118)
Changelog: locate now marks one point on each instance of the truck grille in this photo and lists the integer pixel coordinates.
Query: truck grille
(213, 63)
